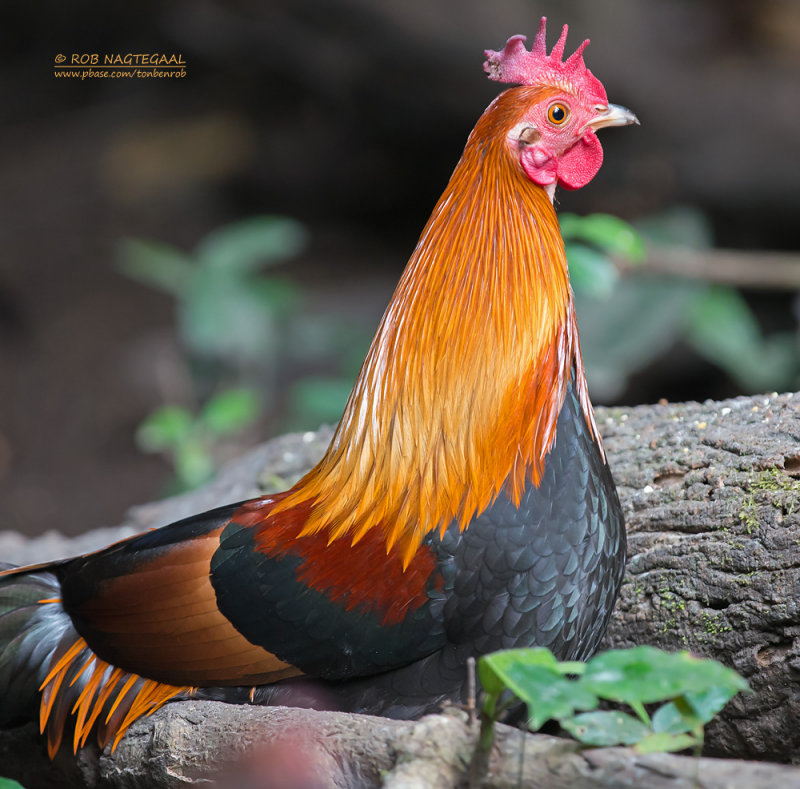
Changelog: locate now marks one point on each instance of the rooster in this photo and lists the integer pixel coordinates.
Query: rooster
(464, 504)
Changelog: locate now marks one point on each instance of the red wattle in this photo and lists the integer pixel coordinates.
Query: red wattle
(539, 164)
(578, 165)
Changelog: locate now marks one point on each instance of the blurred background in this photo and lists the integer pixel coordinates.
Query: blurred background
(189, 266)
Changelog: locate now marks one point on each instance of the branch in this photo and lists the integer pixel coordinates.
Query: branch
(711, 497)
(197, 743)
(762, 269)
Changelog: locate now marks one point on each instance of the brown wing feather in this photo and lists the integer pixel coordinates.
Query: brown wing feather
(154, 613)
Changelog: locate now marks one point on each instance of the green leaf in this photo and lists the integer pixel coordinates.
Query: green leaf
(221, 316)
(252, 243)
(279, 296)
(230, 411)
(530, 656)
(164, 429)
(547, 694)
(8, 783)
(702, 707)
(490, 680)
(571, 667)
(161, 266)
(641, 712)
(707, 704)
(493, 668)
(606, 728)
(722, 323)
(722, 327)
(194, 465)
(533, 676)
(660, 743)
(667, 719)
(646, 674)
(639, 321)
(609, 233)
(591, 271)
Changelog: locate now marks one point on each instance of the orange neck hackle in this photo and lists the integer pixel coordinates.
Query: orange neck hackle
(460, 391)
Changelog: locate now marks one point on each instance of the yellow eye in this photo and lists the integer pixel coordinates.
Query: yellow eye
(557, 113)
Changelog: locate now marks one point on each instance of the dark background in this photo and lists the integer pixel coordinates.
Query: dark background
(348, 115)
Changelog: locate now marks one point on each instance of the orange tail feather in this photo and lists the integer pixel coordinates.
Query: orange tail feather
(81, 685)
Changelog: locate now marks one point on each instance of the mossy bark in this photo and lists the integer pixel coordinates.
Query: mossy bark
(712, 499)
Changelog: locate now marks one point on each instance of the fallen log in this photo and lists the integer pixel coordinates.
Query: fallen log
(200, 743)
(712, 503)
(711, 493)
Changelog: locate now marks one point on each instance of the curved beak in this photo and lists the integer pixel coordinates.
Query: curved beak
(612, 115)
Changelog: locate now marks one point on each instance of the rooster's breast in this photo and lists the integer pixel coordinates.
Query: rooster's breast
(545, 573)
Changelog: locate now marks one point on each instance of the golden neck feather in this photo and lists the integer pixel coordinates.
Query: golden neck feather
(461, 388)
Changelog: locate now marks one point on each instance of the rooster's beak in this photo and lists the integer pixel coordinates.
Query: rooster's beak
(613, 115)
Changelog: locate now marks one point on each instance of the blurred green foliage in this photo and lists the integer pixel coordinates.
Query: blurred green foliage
(629, 322)
(691, 692)
(589, 240)
(189, 439)
(238, 328)
(228, 313)
(7, 783)
(241, 326)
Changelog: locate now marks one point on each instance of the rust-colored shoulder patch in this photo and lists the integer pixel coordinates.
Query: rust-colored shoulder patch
(360, 575)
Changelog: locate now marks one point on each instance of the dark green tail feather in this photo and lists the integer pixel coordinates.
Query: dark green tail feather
(29, 635)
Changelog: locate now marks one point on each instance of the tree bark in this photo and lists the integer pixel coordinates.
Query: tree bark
(711, 494)
(197, 743)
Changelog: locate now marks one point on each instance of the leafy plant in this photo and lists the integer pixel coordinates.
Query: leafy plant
(721, 326)
(237, 325)
(691, 692)
(227, 311)
(590, 241)
(8, 783)
(320, 397)
(189, 439)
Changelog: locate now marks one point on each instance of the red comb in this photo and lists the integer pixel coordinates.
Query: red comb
(515, 64)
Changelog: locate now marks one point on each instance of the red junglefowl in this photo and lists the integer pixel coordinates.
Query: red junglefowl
(463, 506)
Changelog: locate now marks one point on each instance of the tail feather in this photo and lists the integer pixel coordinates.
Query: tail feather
(29, 636)
(42, 653)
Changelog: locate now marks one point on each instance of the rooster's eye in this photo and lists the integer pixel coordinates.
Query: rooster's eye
(557, 113)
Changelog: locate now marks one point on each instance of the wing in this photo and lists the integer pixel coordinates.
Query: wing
(147, 605)
(236, 597)
(333, 609)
